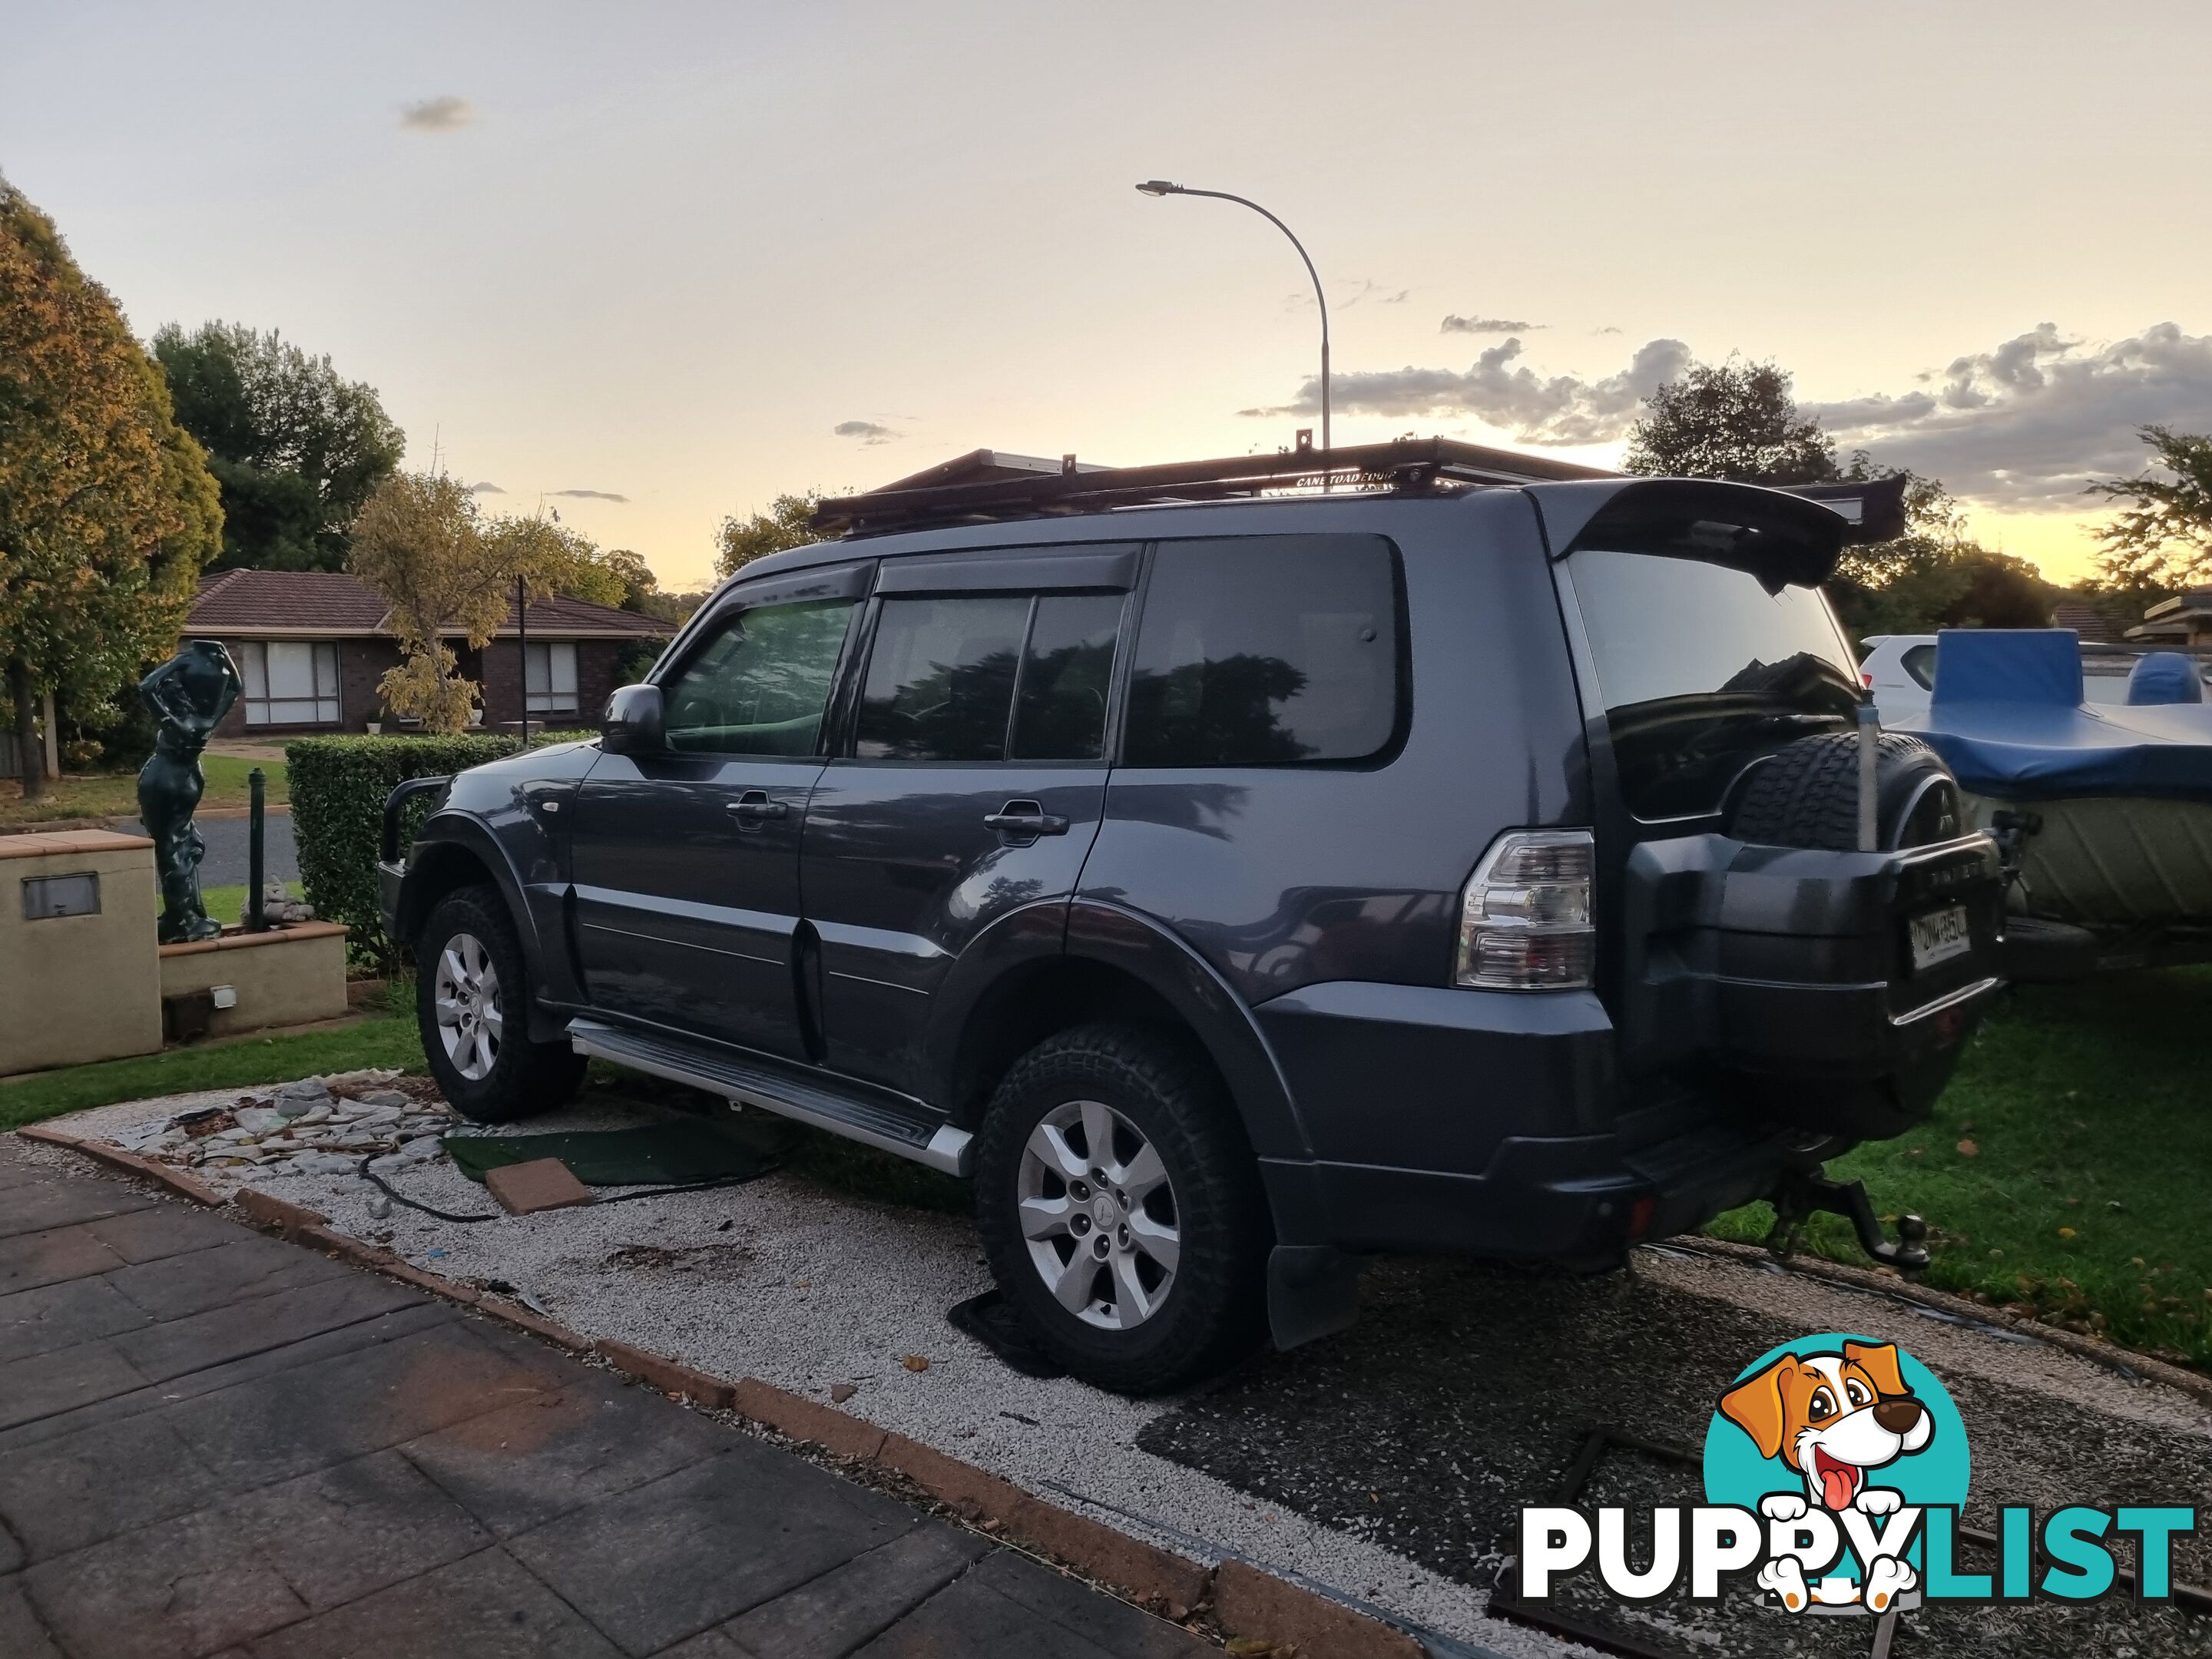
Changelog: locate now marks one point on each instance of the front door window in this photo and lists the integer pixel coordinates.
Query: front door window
(762, 685)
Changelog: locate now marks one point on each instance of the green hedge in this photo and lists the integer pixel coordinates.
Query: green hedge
(339, 789)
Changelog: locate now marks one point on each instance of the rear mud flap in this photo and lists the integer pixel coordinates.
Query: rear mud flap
(1313, 1292)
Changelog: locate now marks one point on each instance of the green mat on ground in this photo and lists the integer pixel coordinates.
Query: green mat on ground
(676, 1154)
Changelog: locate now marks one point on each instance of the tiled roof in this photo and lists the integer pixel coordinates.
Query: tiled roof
(248, 603)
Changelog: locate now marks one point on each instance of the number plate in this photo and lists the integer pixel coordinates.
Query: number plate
(1938, 936)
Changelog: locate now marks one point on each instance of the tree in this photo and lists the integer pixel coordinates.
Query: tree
(640, 585)
(297, 450)
(2163, 541)
(107, 511)
(559, 560)
(419, 543)
(422, 543)
(788, 522)
(1739, 421)
(1733, 421)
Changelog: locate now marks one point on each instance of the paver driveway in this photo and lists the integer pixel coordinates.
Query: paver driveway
(216, 1443)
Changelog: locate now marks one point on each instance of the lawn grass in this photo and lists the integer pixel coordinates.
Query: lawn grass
(383, 1039)
(115, 794)
(2064, 1173)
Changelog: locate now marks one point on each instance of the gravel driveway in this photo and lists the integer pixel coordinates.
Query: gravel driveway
(1386, 1463)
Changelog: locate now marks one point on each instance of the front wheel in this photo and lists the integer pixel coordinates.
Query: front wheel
(472, 1007)
(1120, 1209)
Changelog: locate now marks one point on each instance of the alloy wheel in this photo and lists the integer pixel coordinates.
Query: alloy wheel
(1098, 1213)
(466, 993)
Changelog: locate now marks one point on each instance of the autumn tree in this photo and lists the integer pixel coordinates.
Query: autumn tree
(419, 543)
(107, 511)
(449, 571)
(2162, 542)
(296, 448)
(788, 522)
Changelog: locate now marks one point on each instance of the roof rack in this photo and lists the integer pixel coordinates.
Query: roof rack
(1407, 466)
(1874, 509)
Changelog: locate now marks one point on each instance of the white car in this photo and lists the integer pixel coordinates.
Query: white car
(1899, 669)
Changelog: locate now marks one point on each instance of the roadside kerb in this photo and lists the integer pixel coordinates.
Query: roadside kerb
(1245, 1601)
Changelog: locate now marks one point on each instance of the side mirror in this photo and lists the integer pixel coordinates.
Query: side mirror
(634, 723)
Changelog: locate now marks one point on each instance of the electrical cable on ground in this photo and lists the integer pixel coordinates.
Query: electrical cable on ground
(396, 1197)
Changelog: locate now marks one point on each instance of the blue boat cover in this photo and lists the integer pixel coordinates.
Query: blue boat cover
(2163, 677)
(2007, 719)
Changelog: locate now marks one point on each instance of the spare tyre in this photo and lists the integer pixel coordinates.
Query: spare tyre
(1806, 795)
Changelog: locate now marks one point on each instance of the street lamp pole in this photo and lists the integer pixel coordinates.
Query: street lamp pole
(1162, 187)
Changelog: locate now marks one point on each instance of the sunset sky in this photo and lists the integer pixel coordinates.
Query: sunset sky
(657, 263)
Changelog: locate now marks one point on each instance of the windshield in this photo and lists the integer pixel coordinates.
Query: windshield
(1700, 668)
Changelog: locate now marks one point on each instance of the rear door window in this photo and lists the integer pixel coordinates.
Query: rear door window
(989, 677)
(1267, 650)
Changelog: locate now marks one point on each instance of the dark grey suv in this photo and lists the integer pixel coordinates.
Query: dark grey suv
(1462, 861)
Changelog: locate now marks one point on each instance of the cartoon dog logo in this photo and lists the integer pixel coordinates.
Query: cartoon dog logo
(1832, 1417)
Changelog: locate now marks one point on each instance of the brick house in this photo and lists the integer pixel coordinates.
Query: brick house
(313, 644)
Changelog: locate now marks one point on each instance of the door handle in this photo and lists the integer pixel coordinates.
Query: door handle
(1025, 818)
(754, 808)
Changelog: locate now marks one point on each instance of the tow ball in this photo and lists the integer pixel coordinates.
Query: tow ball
(1799, 1194)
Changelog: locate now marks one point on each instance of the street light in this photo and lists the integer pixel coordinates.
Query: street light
(1162, 187)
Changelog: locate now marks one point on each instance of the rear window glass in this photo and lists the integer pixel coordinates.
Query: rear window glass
(1264, 650)
(1920, 662)
(1700, 668)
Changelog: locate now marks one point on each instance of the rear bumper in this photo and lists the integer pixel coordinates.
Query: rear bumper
(1498, 1124)
(1582, 1201)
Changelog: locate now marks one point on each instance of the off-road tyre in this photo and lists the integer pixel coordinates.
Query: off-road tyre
(1806, 795)
(1215, 1312)
(526, 1078)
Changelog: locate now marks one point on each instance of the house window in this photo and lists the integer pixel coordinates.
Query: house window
(291, 682)
(550, 677)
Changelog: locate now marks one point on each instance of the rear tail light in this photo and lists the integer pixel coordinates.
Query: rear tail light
(1524, 921)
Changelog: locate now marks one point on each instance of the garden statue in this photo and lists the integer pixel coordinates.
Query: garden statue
(188, 697)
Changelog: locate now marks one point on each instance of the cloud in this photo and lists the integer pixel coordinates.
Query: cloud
(1484, 325)
(589, 495)
(1563, 409)
(1609, 329)
(2029, 423)
(870, 433)
(444, 113)
(485, 487)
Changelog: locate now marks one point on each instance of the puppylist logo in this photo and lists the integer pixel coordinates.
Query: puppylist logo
(1835, 1468)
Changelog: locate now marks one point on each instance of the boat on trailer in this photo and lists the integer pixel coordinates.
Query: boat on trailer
(2104, 811)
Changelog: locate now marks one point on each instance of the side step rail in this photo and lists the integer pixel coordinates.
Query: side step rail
(891, 1125)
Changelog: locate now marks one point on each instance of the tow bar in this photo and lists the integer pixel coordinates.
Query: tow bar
(1799, 1194)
